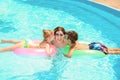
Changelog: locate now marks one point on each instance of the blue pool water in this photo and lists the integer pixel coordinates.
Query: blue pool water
(25, 19)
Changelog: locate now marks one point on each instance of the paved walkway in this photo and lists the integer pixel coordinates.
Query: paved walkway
(112, 3)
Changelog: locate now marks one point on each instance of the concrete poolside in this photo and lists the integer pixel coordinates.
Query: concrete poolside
(110, 3)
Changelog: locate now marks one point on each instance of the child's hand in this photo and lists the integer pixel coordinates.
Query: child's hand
(48, 55)
(68, 55)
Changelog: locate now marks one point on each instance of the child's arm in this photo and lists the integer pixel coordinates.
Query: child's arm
(47, 49)
(72, 48)
(70, 53)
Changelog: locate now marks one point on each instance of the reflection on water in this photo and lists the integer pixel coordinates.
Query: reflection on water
(30, 19)
(6, 26)
(59, 63)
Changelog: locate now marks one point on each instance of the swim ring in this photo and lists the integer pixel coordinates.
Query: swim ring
(35, 51)
(90, 53)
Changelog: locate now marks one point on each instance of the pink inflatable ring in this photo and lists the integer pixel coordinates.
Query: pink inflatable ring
(35, 51)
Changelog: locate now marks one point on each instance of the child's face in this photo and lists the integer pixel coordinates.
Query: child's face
(51, 37)
(68, 40)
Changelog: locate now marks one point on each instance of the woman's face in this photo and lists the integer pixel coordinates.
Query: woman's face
(59, 36)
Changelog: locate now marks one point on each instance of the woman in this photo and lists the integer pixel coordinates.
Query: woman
(59, 34)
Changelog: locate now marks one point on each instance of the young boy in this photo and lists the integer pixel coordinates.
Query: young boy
(72, 38)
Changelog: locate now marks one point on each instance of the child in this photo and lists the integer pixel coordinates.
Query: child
(72, 38)
(48, 37)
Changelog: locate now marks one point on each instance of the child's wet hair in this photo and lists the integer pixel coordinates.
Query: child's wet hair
(47, 33)
(73, 36)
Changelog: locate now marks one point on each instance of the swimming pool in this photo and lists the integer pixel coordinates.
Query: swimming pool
(21, 19)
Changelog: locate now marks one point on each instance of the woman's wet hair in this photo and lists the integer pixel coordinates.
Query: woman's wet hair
(59, 28)
(73, 36)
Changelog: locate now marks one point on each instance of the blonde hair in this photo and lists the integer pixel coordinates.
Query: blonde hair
(47, 33)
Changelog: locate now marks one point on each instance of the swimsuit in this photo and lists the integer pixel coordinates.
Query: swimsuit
(98, 46)
(26, 44)
(31, 44)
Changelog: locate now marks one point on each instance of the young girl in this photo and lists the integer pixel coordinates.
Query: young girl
(72, 38)
(48, 37)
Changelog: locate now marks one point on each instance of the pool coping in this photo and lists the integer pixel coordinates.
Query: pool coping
(104, 7)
